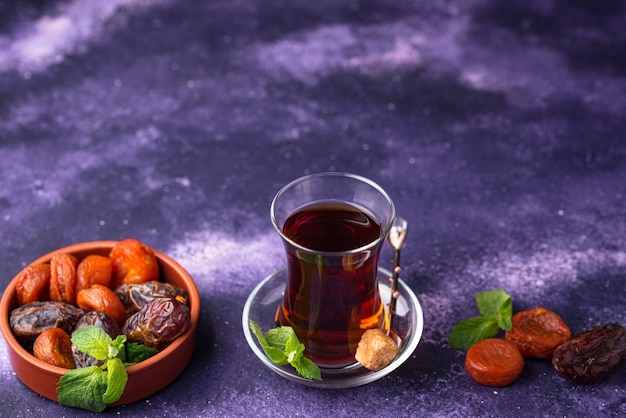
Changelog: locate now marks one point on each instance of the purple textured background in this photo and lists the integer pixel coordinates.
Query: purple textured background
(497, 127)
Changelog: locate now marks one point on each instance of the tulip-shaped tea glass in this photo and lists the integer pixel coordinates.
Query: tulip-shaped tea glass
(333, 226)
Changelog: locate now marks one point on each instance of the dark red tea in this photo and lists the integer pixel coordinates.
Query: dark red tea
(331, 298)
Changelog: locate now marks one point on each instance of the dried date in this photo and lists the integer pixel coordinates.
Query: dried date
(135, 296)
(30, 320)
(100, 320)
(158, 323)
(592, 355)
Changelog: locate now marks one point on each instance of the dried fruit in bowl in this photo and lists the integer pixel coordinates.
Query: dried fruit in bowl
(102, 299)
(33, 284)
(54, 346)
(158, 323)
(133, 262)
(63, 278)
(102, 321)
(93, 269)
(135, 296)
(30, 320)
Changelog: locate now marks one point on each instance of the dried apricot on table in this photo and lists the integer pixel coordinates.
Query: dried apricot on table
(33, 284)
(494, 362)
(63, 278)
(537, 332)
(592, 355)
(93, 269)
(102, 299)
(54, 346)
(133, 262)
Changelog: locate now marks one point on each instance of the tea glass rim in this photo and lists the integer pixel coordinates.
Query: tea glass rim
(373, 244)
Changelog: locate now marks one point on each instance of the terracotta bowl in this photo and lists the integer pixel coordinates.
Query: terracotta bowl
(144, 378)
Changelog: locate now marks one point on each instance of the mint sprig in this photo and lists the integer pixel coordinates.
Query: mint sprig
(282, 346)
(94, 387)
(496, 309)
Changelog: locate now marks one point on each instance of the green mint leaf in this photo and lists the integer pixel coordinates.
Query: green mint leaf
(275, 354)
(117, 346)
(472, 330)
(282, 346)
(136, 352)
(116, 380)
(307, 368)
(256, 330)
(506, 313)
(83, 388)
(490, 303)
(93, 341)
(278, 337)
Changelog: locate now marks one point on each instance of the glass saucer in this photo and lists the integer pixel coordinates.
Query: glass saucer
(408, 324)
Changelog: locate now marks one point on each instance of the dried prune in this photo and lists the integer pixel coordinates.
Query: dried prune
(135, 296)
(54, 346)
(93, 269)
(101, 298)
(494, 362)
(28, 321)
(133, 262)
(63, 278)
(592, 355)
(33, 284)
(537, 332)
(158, 323)
(100, 320)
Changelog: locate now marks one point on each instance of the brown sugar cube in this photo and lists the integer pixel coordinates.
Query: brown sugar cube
(376, 349)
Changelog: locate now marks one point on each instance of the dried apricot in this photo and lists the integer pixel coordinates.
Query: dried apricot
(93, 269)
(494, 362)
(63, 278)
(54, 346)
(102, 299)
(133, 262)
(33, 284)
(537, 332)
